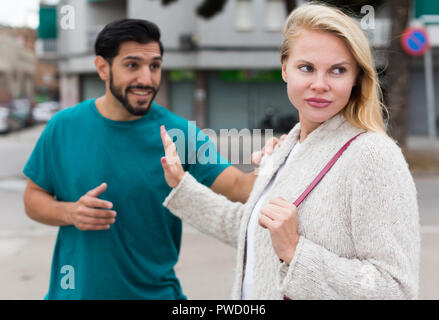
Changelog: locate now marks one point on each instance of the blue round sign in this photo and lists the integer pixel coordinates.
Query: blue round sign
(415, 41)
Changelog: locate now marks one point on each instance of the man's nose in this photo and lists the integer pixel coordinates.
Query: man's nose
(144, 77)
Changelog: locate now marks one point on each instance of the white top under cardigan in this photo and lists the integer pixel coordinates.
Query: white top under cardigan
(358, 229)
(247, 284)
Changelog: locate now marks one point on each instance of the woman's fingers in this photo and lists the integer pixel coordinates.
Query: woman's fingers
(273, 212)
(281, 202)
(165, 165)
(171, 163)
(166, 140)
(169, 147)
(264, 221)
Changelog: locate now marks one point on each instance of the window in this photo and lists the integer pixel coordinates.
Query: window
(275, 15)
(244, 15)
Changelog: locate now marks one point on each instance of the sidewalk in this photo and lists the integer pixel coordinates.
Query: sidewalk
(206, 266)
(205, 269)
(18, 147)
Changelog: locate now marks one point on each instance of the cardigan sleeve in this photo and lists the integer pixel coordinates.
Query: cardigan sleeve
(207, 211)
(385, 231)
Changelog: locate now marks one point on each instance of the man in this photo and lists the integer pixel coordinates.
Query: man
(96, 173)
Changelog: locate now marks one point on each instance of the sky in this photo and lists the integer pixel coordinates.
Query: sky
(19, 13)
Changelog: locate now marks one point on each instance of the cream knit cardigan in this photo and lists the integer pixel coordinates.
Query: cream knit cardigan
(359, 228)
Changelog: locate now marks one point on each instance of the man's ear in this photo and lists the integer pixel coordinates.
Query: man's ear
(103, 68)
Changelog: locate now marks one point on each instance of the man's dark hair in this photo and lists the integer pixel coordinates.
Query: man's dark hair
(117, 32)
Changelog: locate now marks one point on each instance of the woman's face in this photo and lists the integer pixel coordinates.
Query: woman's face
(320, 73)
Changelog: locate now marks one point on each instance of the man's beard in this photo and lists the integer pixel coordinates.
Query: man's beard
(123, 98)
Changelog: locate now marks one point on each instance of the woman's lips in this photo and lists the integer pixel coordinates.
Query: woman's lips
(318, 102)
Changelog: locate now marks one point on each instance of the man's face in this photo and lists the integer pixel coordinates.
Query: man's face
(135, 75)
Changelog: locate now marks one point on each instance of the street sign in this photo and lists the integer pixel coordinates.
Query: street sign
(415, 41)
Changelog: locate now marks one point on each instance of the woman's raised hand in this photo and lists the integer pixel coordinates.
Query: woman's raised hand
(171, 164)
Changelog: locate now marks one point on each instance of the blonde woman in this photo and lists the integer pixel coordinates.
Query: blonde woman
(356, 234)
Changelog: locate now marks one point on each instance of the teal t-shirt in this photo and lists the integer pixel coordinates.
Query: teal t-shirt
(80, 149)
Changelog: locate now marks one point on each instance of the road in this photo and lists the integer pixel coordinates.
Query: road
(206, 265)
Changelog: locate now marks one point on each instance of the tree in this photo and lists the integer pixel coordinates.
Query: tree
(398, 73)
(290, 5)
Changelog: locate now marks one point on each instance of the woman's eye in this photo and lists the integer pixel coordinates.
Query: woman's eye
(306, 68)
(339, 70)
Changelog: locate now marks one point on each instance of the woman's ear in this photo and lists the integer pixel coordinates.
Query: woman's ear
(103, 68)
(284, 72)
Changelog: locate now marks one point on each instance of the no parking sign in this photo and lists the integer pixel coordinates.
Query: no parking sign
(414, 41)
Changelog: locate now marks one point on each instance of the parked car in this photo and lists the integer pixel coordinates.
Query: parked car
(44, 111)
(21, 112)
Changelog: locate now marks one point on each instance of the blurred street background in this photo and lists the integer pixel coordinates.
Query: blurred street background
(221, 69)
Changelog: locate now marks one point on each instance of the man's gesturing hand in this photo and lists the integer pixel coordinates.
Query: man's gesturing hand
(171, 161)
(270, 144)
(91, 213)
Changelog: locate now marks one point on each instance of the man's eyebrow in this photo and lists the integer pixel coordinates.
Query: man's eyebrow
(159, 58)
(334, 65)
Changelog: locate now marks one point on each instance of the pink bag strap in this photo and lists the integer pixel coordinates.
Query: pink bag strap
(324, 171)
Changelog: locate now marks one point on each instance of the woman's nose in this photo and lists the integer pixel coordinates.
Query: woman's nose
(320, 83)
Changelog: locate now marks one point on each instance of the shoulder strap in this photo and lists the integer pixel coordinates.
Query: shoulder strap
(324, 171)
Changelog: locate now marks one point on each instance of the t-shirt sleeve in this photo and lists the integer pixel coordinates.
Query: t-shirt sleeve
(38, 167)
(205, 163)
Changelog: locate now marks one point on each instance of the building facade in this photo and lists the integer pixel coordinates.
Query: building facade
(224, 72)
(17, 66)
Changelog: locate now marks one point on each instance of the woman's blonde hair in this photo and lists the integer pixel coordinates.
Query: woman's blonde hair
(365, 108)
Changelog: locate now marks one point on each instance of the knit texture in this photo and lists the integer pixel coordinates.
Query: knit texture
(359, 227)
